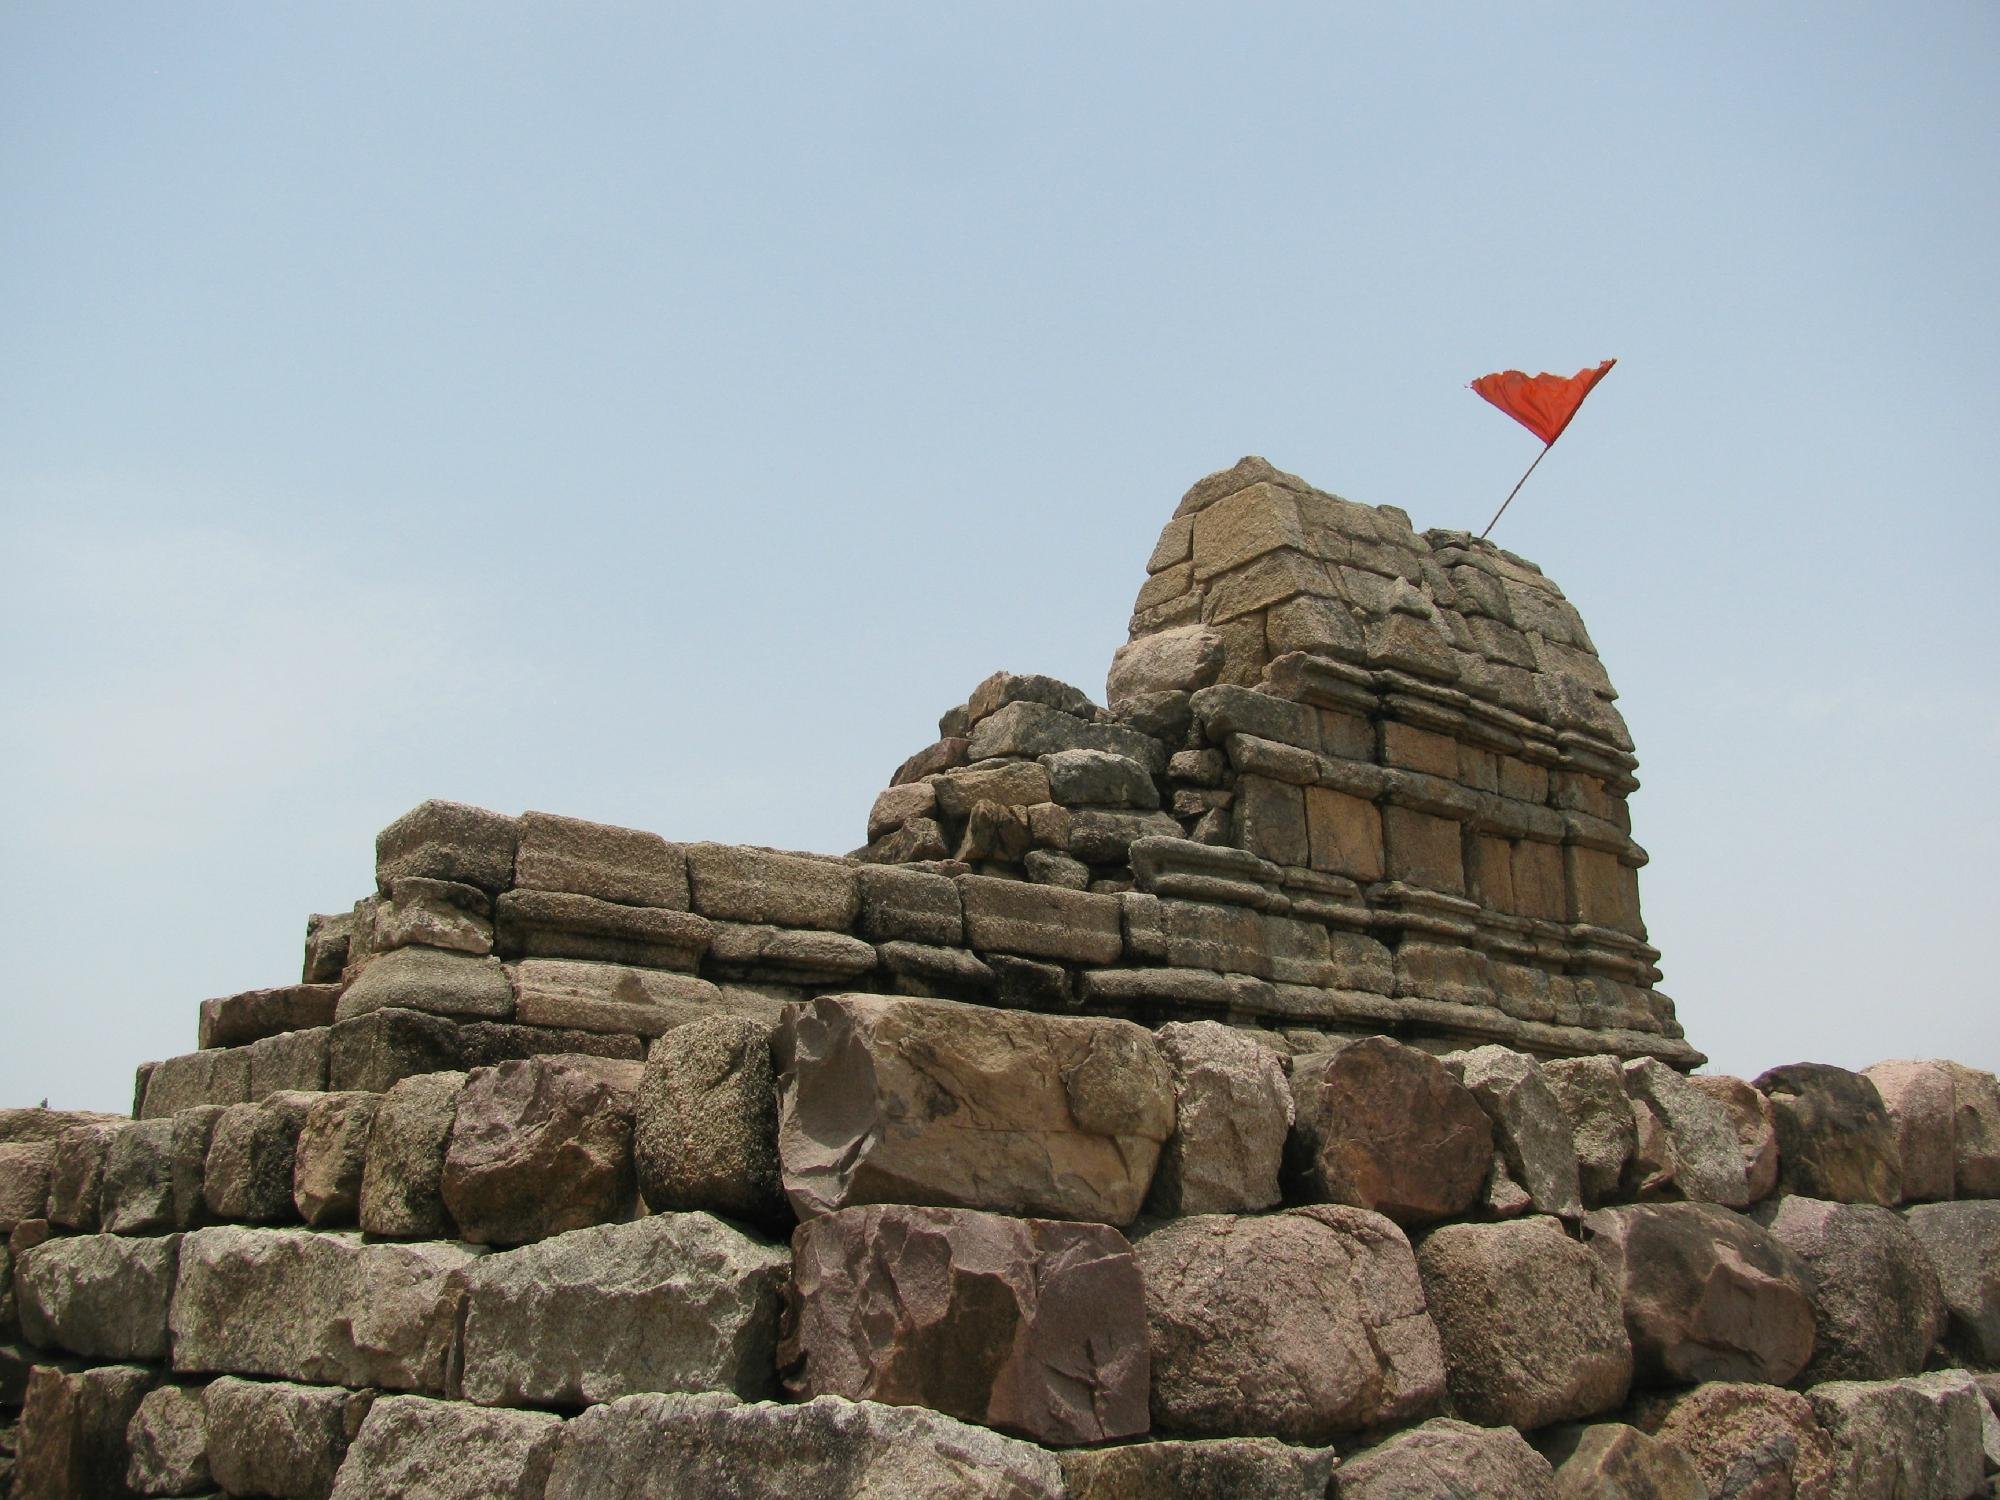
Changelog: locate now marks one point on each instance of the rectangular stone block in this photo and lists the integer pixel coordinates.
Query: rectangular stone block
(1523, 780)
(609, 998)
(76, 1175)
(486, 1043)
(1270, 579)
(1347, 736)
(428, 979)
(1602, 891)
(218, 1076)
(72, 1432)
(1344, 834)
(316, 1306)
(1423, 850)
(1246, 526)
(1493, 873)
(787, 955)
(886, 1099)
(235, 1020)
(1041, 921)
(556, 924)
(621, 865)
(373, 1053)
(1018, 783)
(909, 905)
(1540, 889)
(1222, 939)
(1030, 730)
(1414, 749)
(1270, 818)
(740, 884)
(448, 841)
(415, 912)
(292, 1060)
(674, 1301)
(103, 1296)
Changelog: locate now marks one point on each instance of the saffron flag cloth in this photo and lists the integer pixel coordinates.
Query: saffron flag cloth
(1544, 403)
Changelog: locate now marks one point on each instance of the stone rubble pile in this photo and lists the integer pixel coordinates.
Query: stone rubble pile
(1255, 1088)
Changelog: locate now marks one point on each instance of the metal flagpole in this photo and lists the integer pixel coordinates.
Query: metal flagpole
(1516, 490)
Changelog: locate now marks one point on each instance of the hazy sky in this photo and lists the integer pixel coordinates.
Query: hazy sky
(662, 415)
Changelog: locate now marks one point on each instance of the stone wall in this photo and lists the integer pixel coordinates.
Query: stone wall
(1078, 1137)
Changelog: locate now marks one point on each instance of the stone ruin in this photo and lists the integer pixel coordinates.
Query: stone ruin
(1256, 1086)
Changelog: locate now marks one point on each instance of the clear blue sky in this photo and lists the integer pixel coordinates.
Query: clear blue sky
(660, 415)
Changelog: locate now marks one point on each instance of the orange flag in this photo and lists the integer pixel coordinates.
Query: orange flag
(1545, 403)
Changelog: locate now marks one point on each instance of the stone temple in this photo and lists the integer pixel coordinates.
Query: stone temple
(1253, 1085)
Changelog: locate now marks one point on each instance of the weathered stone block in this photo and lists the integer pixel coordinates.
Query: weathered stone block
(1531, 1322)
(1749, 1115)
(1041, 921)
(1423, 850)
(1708, 1162)
(432, 980)
(236, 1020)
(739, 884)
(1962, 1242)
(1610, 1461)
(414, 912)
(1199, 1466)
(291, 1062)
(1182, 658)
(911, 905)
(710, 1444)
(24, 1181)
(1027, 1325)
(251, 1155)
(1344, 834)
(888, 1099)
(1603, 891)
(220, 1076)
(1329, 1335)
(72, 1433)
(1539, 890)
(319, 1306)
(1911, 1439)
(487, 1044)
(784, 955)
(559, 924)
(330, 1157)
(1834, 1137)
(1005, 783)
(401, 1183)
(328, 935)
(1975, 1131)
(76, 1176)
(538, 1147)
(1270, 820)
(1877, 1305)
(1747, 1441)
(705, 1123)
(610, 999)
(103, 1296)
(1385, 1127)
(595, 859)
(1232, 1110)
(416, 1449)
(373, 1053)
(1919, 1099)
(898, 805)
(1591, 1091)
(1529, 1127)
(1031, 730)
(1446, 1457)
(278, 1438)
(1708, 1295)
(668, 1302)
(168, 1442)
(448, 841)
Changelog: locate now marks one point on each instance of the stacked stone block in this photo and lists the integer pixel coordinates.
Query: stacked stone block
(1151, 1109)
